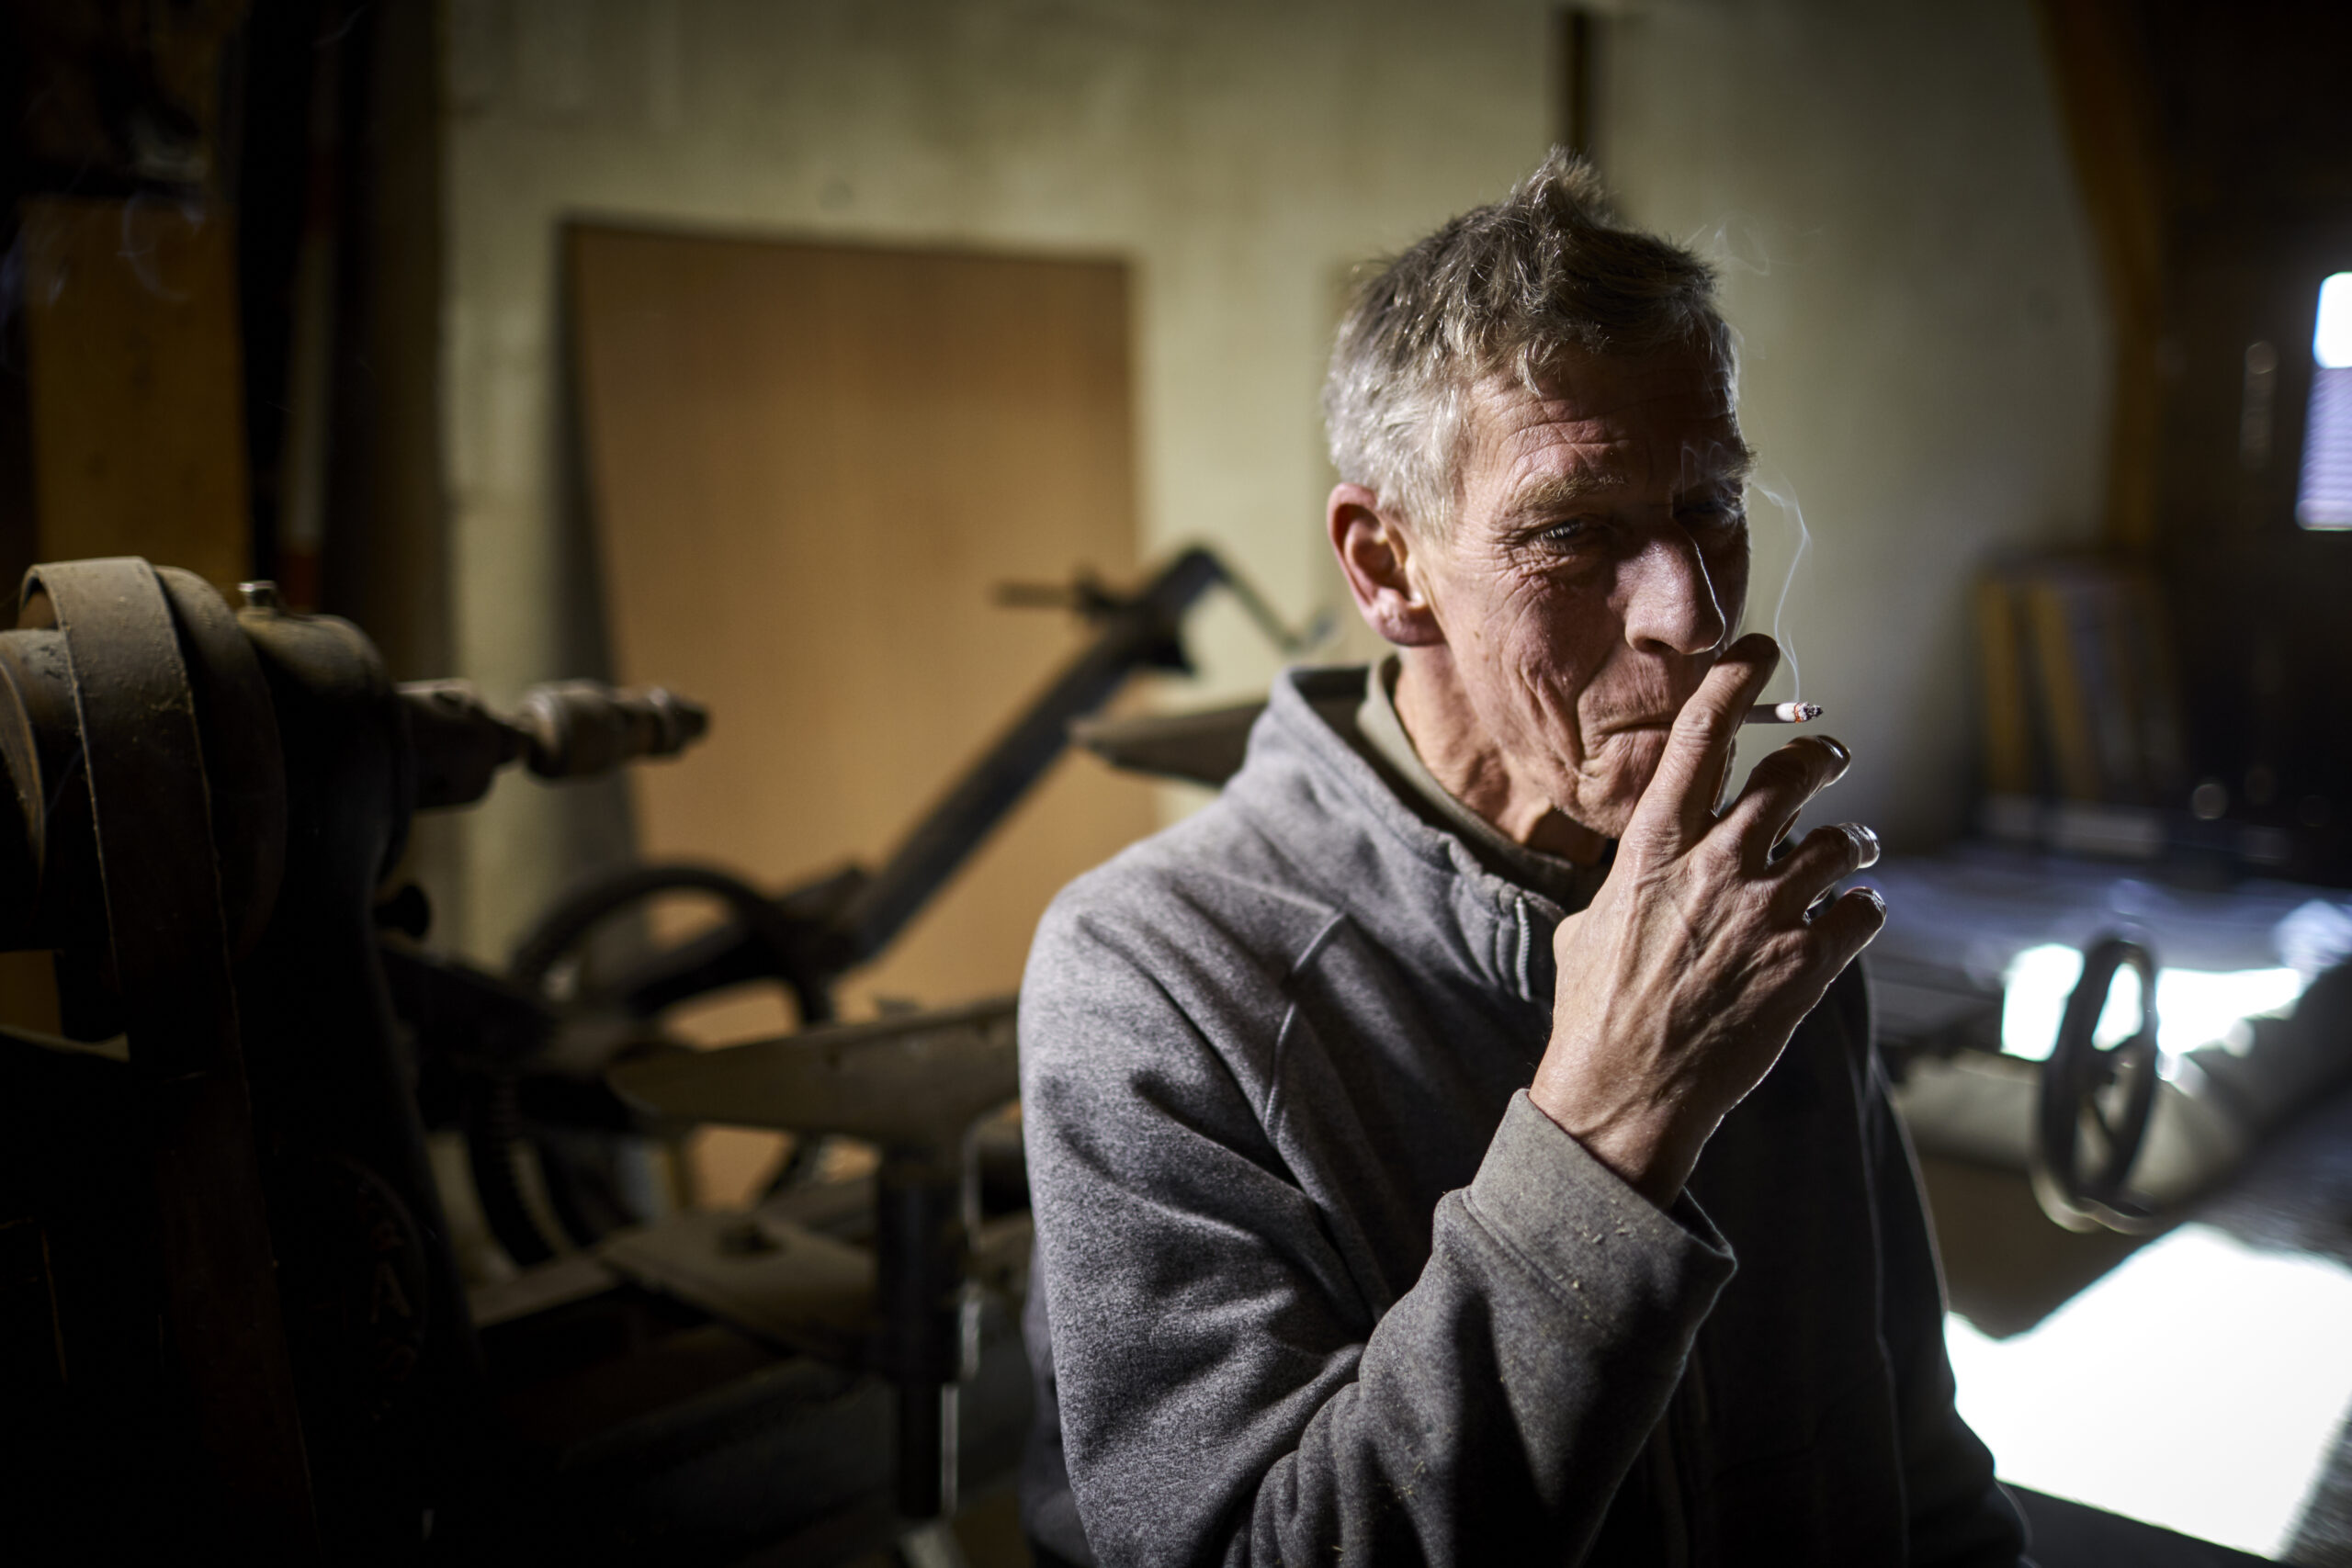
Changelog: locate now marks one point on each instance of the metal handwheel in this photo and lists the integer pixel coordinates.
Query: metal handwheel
(582, 1201)
(2095, 1102)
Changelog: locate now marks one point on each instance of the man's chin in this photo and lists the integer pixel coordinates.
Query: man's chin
(1578, 829)
(1605, 803)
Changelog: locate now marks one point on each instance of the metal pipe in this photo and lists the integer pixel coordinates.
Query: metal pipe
(1139, 631)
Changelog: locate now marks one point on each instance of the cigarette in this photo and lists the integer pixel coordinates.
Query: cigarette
(1782, 713)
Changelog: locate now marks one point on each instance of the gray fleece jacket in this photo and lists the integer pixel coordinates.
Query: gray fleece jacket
(1321, 1285)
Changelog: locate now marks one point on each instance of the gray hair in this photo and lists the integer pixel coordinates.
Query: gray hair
(1500, 290)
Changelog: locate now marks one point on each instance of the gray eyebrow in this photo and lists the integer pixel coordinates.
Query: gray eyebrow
(1734, 461)
(1545, 492)
(1550, 492)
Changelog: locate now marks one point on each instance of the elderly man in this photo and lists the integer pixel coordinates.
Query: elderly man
(1462, 1141)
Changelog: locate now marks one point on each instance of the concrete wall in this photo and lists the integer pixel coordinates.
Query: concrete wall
(1925, 365)
(1238, 153)
(1925, 350)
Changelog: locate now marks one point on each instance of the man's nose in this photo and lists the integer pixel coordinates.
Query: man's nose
(1670, 604)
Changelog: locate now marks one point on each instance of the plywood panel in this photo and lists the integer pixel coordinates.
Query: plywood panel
(810, 464)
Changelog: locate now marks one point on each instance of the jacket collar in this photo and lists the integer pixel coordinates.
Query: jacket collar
(1309, 787)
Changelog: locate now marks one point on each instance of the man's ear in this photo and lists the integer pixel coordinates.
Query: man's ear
(1376, 556)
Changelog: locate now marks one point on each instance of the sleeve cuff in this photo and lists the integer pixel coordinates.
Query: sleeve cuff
(1577, 1223)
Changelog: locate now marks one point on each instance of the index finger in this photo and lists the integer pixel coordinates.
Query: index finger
(1679, 804)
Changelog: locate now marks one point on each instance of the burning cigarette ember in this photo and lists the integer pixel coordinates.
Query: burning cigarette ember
(1782, 713)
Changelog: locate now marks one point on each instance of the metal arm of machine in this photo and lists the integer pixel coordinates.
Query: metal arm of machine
(565, 729)
(852, 918)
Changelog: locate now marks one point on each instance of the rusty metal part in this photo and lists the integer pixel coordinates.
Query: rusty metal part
(1206, 747)
(458, 742)
(494, 1119)
(921, 1232)
(566, 730)
(2092, 1110)
(391, 1419)
(1136, 631)
(789, 1280)
(252, 1338)
(776, 935)
(792, 1286)
(577, 730)
(244, 760)
(846, 1079)
(929, 1247)
(24, 839)
(1140, 632)
(168, 936)
(853, 1079)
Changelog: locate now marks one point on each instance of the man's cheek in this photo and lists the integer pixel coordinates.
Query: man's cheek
(1731, 589)
(1541, 697)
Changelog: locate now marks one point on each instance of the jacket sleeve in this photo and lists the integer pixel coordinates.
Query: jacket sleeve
(1958, 1514)
(1226, 1393)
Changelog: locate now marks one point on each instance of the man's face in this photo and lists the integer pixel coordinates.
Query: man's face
(1597, 565)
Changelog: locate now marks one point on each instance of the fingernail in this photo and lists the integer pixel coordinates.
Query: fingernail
(1865, 842)
(1837, 750)
(1877, 898)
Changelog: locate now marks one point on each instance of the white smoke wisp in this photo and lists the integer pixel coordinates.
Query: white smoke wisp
(139, 246)
(1736, 244)
(1741, 249)
(1777, 492)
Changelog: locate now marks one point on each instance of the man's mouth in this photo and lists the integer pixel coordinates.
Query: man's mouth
(1632, 726)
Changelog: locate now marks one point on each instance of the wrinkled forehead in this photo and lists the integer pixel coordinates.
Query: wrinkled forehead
(1663, 421)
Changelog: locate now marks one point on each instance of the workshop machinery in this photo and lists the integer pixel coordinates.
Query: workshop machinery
(231, 1320)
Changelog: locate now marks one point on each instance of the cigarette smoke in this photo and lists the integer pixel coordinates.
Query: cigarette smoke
(1735, 242)
(1777, 492)
(140, 253)
(1740, 250)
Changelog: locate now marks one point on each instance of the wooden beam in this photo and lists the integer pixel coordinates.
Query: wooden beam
(2106, 93)
(135, 391)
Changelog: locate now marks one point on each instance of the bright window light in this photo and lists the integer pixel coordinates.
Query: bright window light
(2332, 338)
(2194, 1007)
(2324, 498)
(2197, 1386)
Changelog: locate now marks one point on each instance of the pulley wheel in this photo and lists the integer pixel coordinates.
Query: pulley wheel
(2095, 1102)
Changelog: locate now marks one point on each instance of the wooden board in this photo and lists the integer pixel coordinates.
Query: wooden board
(134, 413)
(137, 399)
(810, 466)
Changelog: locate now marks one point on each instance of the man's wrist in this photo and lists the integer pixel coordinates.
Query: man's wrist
(1639, 1147)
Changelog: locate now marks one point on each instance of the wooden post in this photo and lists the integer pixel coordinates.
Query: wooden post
(136, 395)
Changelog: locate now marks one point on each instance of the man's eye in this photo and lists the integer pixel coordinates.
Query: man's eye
(1715, 516)
(1575, 534)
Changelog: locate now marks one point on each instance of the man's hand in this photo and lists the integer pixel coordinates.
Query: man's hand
(1681, 984)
